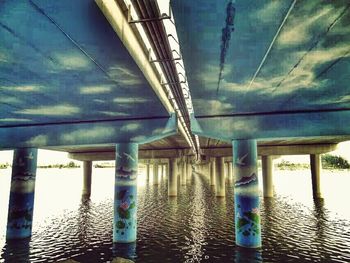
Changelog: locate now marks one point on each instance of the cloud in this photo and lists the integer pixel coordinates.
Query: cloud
(158, 131)
(298, 31)
(73, 61)
(139, 138)
(23, 88)
(57, 110)
(332, 100)
(244, 126)
(302, 77)
(3, 57)
(130, 100)
(9, 100)
(267, 14)
(99, 101)
(215, 106)
(124, 76)
(95, 89)
(14, 120)
(114, 114)
(131, 127)
(87, 134)
(38, 140)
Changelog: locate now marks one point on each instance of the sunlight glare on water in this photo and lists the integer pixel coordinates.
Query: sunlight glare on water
(193, 227)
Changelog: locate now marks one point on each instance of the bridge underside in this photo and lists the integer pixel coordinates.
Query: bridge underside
(175, 146)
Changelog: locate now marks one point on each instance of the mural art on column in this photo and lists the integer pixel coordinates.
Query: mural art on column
(247, 212)
(21, 204)
(125, 199)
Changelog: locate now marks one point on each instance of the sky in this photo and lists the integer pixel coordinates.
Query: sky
(53, 157)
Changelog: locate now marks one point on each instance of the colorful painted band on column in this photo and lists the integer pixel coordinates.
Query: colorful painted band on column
(125, 195)
(247, 211)
(21, 204)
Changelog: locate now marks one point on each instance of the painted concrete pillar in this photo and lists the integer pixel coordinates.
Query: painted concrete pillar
(148, 170)
(212, 172)
(230, 173)
(155, 174)
(87, 166)
(247, 208)
(220, 177)
(125, 194)
(179, 169)
(21, 204)
(164, 170)
(189, 172)
(160, 171)
(183, 173)
(315, 164)
(172, 179)
(267, 173)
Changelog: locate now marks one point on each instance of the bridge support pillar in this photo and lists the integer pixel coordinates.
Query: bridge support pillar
(315, 164)
(230, 173)
(125, 193)
(220, 177)
(87, 167)
(164, 171)
(246, 191)
(189, 172)
(172, 179)
(212, 172)
(183, 172)
(148, 170)
(155, 174)
(21, 204)
(267, 173)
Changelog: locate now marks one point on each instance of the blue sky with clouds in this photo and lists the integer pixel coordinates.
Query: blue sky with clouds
(306, 68)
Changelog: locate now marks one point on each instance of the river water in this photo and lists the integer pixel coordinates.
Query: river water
(193, 227)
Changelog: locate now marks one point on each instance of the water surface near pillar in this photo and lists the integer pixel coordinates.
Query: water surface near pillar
(195, 226)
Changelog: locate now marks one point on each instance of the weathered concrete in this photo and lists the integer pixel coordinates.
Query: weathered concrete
(267, 173)
(315, 164)
(87, 167)
(172, 178)
(220, 177)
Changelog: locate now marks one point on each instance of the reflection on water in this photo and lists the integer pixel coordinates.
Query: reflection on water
(193, 227)
(16, 251)
(126, 250)
(246, 255)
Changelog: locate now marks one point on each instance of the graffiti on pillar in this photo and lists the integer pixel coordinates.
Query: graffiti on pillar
(21, 204)
(125, 205)
(20, 213)
(125, 170)
(247, 213)
(248, 218)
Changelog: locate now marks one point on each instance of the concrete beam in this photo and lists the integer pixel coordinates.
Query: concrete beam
(263, 150)
(266, 150)
(143, 154)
